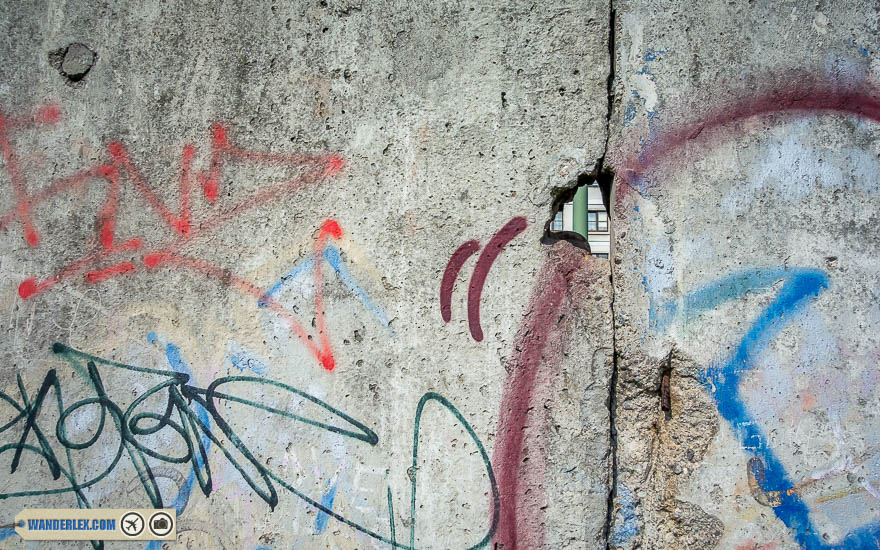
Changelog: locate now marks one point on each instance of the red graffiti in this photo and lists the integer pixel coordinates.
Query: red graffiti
(804, 100)
(101, 274)
(447, 284)
(563, 282)
(323, 352)
(478, 280)
(120, 169)
(22, 209)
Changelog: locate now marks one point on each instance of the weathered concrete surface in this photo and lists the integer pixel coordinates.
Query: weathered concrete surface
(745, 146)
(270, 191)
(325, 219)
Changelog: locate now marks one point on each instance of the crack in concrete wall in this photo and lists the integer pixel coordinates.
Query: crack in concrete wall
(328, 201)
(612, 383)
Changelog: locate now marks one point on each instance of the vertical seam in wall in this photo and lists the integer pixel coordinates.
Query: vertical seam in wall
(612, 387)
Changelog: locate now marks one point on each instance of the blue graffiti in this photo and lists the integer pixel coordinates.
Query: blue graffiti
(626, 524)
(242, 363)
(862, 50)
(298, 269)
(632, 107)
(629, 114)
(175, 360)
(333, 257)
(242, 359)
(327, 502)
(727, 288)
(800, 286)
(652, 54)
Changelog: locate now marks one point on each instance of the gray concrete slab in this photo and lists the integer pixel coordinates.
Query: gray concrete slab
(264, 198)
(745, 144)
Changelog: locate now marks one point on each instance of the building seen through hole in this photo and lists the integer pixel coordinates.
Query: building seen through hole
(597, 221)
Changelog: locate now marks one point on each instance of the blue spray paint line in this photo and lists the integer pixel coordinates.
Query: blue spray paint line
(242, 362)
(652, 54)
(799, 288)
(172, 353)
(323, 517)
(175, 360)
(295, 272)
(333, 257)
(7, 532)
(730, 287)
(243, 359)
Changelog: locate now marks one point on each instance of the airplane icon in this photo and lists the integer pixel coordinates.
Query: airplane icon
(132, 524)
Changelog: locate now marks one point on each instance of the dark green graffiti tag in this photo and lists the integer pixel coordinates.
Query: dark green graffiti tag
(179, 416)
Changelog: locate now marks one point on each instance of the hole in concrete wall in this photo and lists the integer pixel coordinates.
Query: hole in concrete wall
(597, 241)
(666, 393)
(73, 62)
(665, 388)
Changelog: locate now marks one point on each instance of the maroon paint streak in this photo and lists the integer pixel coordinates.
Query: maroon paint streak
(475, 290)
(447, 284)
(804, 100)
(562, 280)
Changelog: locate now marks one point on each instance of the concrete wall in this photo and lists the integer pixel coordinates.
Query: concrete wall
(746, 145)
(280, 267)
(265, 197)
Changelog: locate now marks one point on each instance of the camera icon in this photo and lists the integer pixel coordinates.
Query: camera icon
(161, 524)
